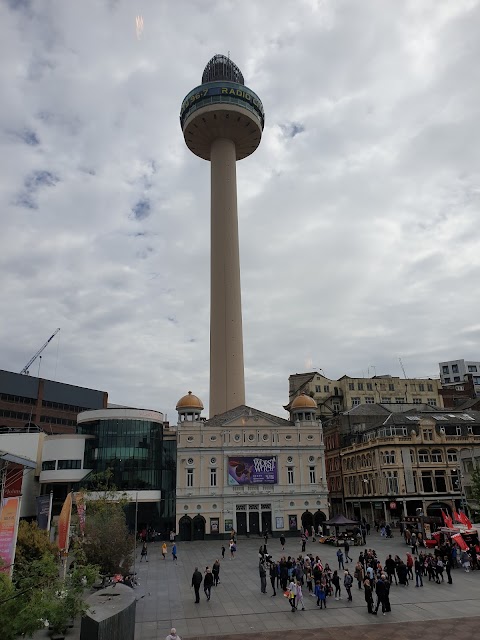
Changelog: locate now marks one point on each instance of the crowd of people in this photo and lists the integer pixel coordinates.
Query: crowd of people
(293, 575)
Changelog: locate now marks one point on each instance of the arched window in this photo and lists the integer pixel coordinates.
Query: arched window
(364, 461)
(423, 456)
(452, 455)
(437, 455)
(392, 457)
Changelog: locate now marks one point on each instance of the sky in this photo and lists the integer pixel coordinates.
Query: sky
(358, 213)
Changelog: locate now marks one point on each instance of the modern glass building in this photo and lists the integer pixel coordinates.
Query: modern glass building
(139, 450)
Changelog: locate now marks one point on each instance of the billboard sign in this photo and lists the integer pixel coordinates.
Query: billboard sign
(254, 470)
(9, 514)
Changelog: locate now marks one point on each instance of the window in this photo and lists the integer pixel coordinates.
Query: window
(421, 387)
(48, 465)
(351, 386)
(456, 378)
(391, 387)
(445, 369)
(447, 380)
(437, 455)
(213, 477)
(311, 473)
(360, 386)
(290, 475)
(412, 456)
(386, 400)
(423, 456)
(427, 434)
(318, 388)
(452, 455)
(399, 400)
(429, 387)
(432, 402)
(458, 431)
(391, 481)
(454, 368)
(389, 457)
(355, 402)
(440, 417)
(69, 464)
(440, 482)
(465, 416)
(326, 388)
(417, 401)
(476, 380)
(413, 418)
(472, 368)
(189, 477)
(369, 386)
(336, 406)
(370, 400)
(427, 482)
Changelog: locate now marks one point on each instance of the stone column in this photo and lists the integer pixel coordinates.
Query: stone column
(227, 383)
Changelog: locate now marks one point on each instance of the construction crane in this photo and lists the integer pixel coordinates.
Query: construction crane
(32, 360)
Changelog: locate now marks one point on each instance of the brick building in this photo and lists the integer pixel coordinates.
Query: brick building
(27, 402)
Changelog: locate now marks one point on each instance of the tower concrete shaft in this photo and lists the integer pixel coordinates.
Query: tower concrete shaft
(227, 382)
(222, 121)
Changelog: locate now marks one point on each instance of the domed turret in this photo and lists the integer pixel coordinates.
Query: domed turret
(189, 407)
(303, 408)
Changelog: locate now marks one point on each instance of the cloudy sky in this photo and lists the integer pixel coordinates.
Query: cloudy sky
(359, 213)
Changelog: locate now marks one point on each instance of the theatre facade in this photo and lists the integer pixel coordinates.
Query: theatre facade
(249, 471)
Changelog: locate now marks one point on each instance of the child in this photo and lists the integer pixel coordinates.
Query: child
(223, 552)
(174, 552)
(320, 593)
(300, 596)
(292, 594)
(144, 552)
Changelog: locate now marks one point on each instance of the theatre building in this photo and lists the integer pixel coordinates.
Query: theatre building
(249, 471)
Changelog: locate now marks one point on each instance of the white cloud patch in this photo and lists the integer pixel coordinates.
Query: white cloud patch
(358, 213)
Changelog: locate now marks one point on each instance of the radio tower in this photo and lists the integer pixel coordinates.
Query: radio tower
(222, 121)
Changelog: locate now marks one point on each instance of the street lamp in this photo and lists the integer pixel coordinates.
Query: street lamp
(459, 484)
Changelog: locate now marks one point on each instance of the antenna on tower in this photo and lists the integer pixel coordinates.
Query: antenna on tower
(403, 368)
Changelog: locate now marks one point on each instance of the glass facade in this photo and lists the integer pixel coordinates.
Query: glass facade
(139, 459)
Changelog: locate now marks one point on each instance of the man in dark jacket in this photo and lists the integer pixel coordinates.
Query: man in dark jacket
(208, 583)
(380, 591)
(196, 582)
(390, 569)
(263, 577)
(273, 576)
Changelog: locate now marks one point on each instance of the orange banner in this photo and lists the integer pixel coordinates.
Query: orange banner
(64, 523)
(8, 531)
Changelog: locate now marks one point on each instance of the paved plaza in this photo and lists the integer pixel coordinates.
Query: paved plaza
(237, 606)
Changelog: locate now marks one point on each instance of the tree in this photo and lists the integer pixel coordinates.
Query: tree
(37, 596)
(475, 487)
(107, 542)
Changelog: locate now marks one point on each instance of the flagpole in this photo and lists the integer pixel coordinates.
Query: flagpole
(135, 537)
(15, 534)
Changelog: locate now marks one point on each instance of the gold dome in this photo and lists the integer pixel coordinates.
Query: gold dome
(189, 402)
(303, 402)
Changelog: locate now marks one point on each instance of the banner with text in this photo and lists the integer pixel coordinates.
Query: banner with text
(64, 523)
(8, 532)
(254, 470)
(43, 511)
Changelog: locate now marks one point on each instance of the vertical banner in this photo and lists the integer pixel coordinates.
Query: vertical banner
(407, 470)
(64, 523)
(43, 511)
(9, 516)
(13, 481)
(81, 509)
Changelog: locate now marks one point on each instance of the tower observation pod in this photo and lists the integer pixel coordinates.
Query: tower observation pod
(222, 121)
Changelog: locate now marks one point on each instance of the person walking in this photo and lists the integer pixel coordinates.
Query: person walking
(386, 599)
(448, 568)
(413, 542)
(418, 573)
(164, 550)
(144, 552)
(439, 570)
(174, 552)
(208, 583)
(347, 583)
(216, 572)
(273, 576)
(368, 595)
(173, 635)
(282, 542)
(347, 549)
(336, 584)
(300, 596)
(340, 559)
(196, 582)
(304, 542)
(223, 552)
(292, 594)
(263, 577)
(233, 548)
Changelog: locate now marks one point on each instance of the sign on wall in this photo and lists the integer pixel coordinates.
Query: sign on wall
(292, 523)
(214, 524)
(279, 522)
(255, 470)
(228, 525)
